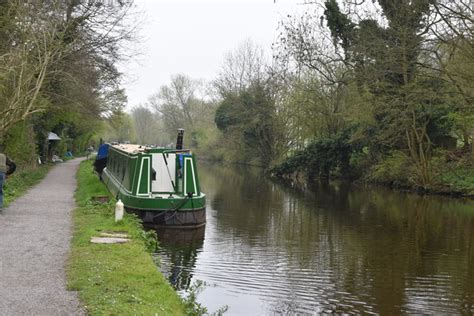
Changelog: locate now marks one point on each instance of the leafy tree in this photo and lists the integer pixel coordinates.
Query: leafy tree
(249, 118)
(20, 143)
(386, 63)
(250, 113)
(321, 158)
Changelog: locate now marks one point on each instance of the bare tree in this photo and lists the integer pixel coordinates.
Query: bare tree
(45, 39)
(178, 104)
(241, 68)
(26, 63)
(146, 127)
(451, 45)
(313, 78)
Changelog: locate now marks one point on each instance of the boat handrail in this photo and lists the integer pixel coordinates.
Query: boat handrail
(176, 151)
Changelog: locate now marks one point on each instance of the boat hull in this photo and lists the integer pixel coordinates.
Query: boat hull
(182, 218)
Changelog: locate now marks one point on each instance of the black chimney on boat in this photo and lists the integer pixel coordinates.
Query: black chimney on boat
(179, 142)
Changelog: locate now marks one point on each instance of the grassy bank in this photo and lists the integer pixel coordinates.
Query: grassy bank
(118, 279)
(458, 180)
(19, 182)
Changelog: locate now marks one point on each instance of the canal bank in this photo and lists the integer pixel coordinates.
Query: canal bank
(118, 279)
(442, 177)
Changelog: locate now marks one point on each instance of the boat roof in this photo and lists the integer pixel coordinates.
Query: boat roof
(137, 149)
(131, 148)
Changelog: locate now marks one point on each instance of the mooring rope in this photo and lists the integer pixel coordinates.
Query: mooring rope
(175, 210)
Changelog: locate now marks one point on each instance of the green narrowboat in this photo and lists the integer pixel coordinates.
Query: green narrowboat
(160, 185)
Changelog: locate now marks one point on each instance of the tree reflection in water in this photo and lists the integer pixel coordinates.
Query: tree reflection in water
(327, 247)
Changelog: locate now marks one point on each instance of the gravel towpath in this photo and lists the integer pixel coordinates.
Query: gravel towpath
(35, 233)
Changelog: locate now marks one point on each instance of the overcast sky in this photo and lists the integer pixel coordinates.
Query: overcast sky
(192, 37)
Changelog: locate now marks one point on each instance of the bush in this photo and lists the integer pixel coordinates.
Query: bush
(321, 158)
(359, 163)
(20, 145)
(395, 169)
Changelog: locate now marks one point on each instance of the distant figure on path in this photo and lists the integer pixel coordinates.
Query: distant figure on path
(7, 167)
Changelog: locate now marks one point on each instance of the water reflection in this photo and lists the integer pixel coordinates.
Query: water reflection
(178, 253)
(330, 247)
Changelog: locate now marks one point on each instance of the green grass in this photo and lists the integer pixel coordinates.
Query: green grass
(23, 179)
(459, 179)
(117, 279)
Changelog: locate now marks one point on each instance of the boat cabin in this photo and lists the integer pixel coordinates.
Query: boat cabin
(152, 172)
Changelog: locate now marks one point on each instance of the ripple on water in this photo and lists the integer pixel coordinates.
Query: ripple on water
(435, 293)
(336, 250)
(271, 276)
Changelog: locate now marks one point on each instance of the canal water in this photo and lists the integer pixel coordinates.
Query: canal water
(269, 248)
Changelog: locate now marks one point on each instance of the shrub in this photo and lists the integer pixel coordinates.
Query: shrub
(395, 169)
(20, 145)
(321, 158)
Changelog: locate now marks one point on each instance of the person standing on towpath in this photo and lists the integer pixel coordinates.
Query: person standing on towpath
(35, 233)
(3, 172)
(7, 167)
